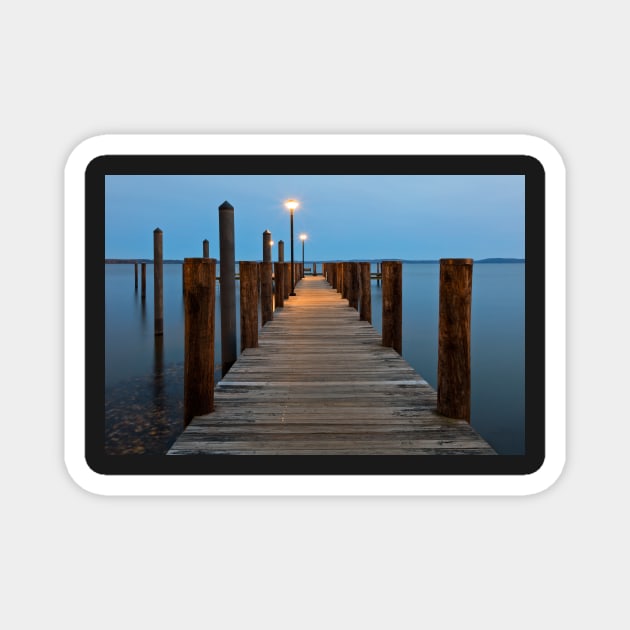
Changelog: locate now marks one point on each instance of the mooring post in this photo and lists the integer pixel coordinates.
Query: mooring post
(314, 268)
(266, 292)
(206, 248)
(249, 304)
(135, 276)
(379, 271)
(353, 285)
(347, 281)
(266, 246)
(392, 304)
(280, 251)
(454, 338)
(228, 286)
(287, 279)
(199, 305)
(143, 286)
(158, 282)
(279, 288)
(365, 309)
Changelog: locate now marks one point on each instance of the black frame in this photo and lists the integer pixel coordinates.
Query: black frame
(528, 166)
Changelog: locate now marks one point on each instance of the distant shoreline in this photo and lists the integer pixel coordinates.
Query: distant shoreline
(131, 261)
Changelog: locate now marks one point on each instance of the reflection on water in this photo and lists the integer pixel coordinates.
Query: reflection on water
(145, 374)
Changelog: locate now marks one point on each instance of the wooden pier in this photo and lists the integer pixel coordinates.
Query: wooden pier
(320, 382)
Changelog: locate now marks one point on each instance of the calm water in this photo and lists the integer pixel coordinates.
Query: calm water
(144, 379)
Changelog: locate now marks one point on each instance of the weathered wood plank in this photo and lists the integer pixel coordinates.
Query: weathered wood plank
(321, 382)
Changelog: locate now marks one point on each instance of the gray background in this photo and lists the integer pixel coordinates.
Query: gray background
(71, 70)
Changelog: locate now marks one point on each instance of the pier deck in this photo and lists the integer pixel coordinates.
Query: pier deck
(320, 382)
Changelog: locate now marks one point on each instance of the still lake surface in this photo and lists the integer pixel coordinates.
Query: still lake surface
(144, 381)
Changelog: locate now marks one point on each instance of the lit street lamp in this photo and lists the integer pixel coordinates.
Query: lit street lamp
(302, 238)
(292, 204)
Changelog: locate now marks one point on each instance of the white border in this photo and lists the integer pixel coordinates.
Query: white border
(307, 144)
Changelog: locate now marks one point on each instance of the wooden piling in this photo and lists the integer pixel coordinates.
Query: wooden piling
(143, 286)
(280, 251)
(266, 292)
(135, 275)
(365, 308)
(206, 248)
(347, 281)
(392, 304)
(199, 306)
(279, 287)
(266, 246)
(228, 286)
(158, 282)
(353, 285)
(248, 272)
(454, 338)
(287, 279)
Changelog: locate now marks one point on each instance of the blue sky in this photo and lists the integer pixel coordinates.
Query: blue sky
(413, 217)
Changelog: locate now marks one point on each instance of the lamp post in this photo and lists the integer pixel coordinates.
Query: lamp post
(292, 204)
(302, 238)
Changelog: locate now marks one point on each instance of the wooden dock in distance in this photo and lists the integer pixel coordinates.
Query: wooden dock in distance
(320, 382)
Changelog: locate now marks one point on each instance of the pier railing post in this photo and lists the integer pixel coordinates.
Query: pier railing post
(249, 304)
(365, 309)
(266, 292)
(454, 338)
(199, 305)
(158, 282)
(228, 286)
(392, 304)
(279, 288)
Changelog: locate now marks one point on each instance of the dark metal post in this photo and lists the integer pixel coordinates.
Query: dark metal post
(228, 286)
(454, 337)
